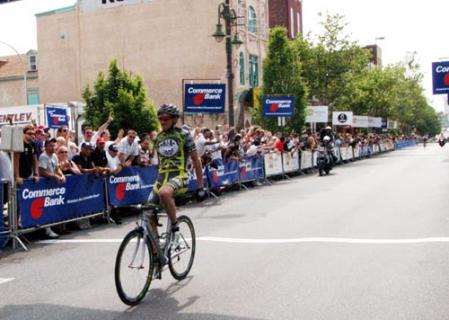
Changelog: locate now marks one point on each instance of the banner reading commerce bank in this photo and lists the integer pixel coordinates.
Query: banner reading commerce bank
(278, 106)
(440, 76)
(204, 98)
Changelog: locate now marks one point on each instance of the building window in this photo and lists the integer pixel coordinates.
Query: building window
(292, 23)
(33, 96)
(242, 68)
(32, 63)
(253, 71)
(252, 20)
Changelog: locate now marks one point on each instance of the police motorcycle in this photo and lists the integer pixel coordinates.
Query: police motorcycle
(325, 158)
(441, 140)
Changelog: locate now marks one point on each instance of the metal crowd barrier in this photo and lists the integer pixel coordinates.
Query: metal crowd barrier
(49, 203)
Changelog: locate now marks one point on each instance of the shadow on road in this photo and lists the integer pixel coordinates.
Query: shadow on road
(158, 304)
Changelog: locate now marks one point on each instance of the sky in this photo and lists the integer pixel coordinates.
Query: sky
(406, 25)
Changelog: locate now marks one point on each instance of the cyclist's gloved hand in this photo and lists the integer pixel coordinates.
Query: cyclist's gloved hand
(201, 195)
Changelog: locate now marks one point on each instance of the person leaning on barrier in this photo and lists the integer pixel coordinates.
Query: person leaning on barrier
(84, 159)
(114, 164)
(99, 157)
(48, 163)
(233, 151)
(145, 152)
(128, 149)
(49, 168)
(66, 165)
(25, 163)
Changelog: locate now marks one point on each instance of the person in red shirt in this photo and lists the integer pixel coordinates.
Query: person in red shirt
(280, 144)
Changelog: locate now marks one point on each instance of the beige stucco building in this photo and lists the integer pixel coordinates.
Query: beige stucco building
(165, 41)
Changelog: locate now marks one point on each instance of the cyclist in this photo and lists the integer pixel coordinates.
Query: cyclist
(174, 145)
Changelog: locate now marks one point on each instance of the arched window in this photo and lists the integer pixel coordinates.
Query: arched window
(252, 20)
(242, 68)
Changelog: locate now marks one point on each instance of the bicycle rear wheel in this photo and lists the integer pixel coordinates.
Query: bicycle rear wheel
(182, 250)
(133, 267)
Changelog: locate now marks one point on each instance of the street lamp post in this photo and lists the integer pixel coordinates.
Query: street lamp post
(230, 17)
(25, 72)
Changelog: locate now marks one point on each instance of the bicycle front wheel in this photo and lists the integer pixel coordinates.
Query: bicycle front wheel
(133, 267)
(182, 251)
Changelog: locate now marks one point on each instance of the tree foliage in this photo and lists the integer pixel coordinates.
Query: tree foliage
(338, 74)
(282, 76)
(124, 97)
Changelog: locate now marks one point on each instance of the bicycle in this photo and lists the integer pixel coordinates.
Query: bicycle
(150, 253)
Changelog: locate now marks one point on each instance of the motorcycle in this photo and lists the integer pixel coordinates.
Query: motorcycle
(325, 158)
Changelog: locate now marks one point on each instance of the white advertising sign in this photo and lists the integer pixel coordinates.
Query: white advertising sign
(342, 118)
(317, 114)
(92, 5)
(360, 121)
(375, 122)
(273, 164)
(22, 114)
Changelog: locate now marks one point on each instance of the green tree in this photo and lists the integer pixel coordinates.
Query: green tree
(282, 76)
(124, 97)
(332, 64)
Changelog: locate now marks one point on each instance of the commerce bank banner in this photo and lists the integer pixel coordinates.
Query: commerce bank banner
(204, 98)
(48, 202)
(132, 185)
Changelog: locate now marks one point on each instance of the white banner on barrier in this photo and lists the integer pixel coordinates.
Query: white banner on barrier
(291, 162)
(315, 159)
(383, 147)
(273, 164)
(306, 160)
(356, 152)
(346, 153)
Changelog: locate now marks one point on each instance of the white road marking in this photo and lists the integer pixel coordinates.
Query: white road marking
(276, 241)
(5, 280)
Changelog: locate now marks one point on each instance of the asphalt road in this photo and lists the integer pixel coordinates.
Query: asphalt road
(370, 241)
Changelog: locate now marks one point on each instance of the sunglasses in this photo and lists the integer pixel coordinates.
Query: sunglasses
(62, 152)
(30, 133)
(164, 118)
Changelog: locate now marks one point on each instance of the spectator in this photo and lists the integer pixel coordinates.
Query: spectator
(40, 138)
(310, 141)
(114, 164)
(145, 153)
(254, 149)
(213, 151)
(154, 159)
(233, 150)
(48, 162)
(280, 144)
(84, 159)
(49, 168)
(25, 163)
(99, 157)
(90, 136)
(66, 165)
(128, 149)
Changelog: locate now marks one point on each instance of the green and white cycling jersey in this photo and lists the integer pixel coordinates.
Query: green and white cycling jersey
(173, 148)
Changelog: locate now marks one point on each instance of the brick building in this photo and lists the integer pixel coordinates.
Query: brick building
(286, 13)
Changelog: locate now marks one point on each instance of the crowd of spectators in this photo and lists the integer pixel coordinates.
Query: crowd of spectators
(55, 154)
